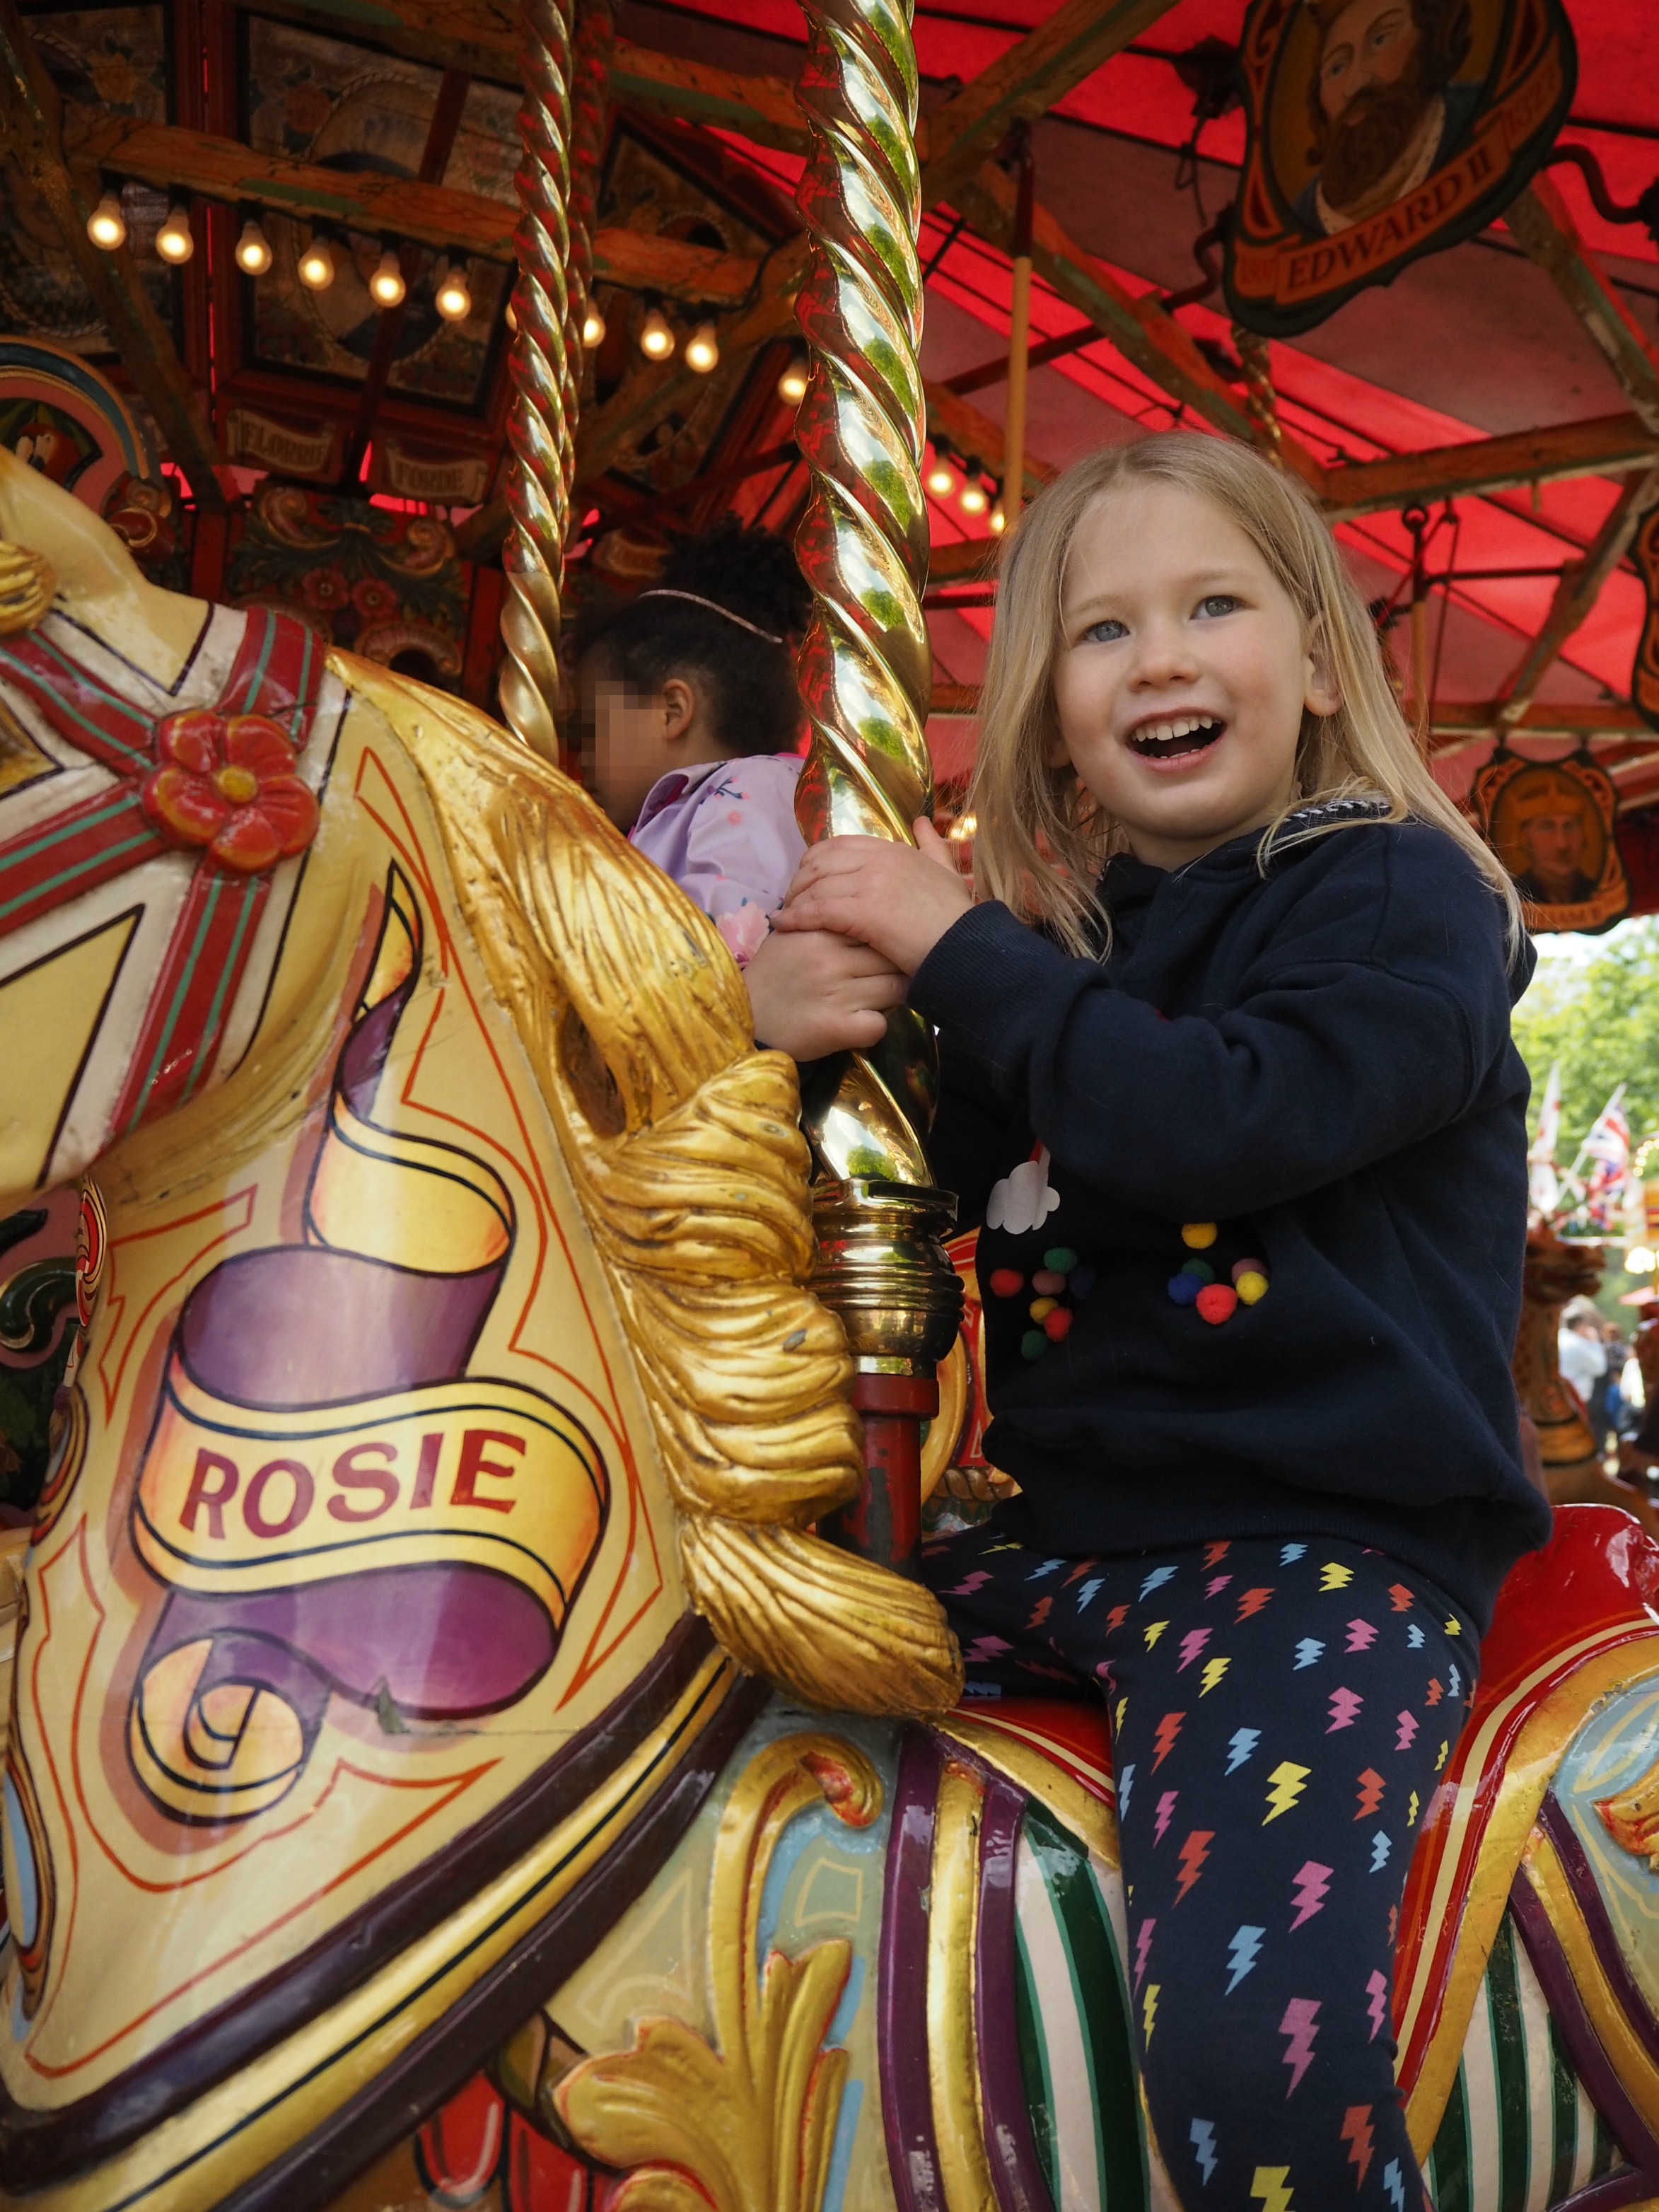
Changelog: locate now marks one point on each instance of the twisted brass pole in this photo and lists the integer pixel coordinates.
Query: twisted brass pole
(866, 674)
(1259, 395)
(541, 422)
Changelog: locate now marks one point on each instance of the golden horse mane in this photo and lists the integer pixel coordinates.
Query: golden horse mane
(683, 1143)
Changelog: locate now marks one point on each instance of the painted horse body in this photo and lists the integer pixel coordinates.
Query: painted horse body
(392, 1784)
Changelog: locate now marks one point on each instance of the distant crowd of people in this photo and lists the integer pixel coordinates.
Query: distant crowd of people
(1598, 1361)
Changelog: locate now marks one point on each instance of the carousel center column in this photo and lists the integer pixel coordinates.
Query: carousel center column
(866, 675)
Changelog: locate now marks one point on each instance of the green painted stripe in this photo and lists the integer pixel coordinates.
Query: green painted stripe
(60, 885)
(304, 700)
(1034, 2065)
(205, 1053)
(1606, 2155)
(186, 975)
(1102, 2002)
(1564, 2099)
(1449, 2159)
(1540, 2110)
(1070, 2075)
(137, 749)
(45, 843)
(1508, 2054)
(257, 675)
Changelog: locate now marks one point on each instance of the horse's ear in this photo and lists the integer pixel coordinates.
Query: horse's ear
(97, 579)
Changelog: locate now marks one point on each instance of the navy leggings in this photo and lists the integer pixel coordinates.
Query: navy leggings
(1280, 1712)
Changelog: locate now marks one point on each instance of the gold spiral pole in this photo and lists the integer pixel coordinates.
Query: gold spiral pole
(541, 422)
(1260, 397)
(866, 674)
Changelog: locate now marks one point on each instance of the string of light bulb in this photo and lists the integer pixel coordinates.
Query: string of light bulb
(388, 286)
(950, 475)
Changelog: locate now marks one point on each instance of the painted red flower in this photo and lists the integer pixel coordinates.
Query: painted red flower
(324, 588)
(374, 598)
(229, 782)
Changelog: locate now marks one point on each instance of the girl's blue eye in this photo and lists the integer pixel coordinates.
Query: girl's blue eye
(1218, 603)
(1104, 633)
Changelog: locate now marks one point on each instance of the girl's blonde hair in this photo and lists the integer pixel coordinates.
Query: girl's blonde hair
(1040, 839)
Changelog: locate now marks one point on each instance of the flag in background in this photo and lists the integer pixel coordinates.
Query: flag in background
(1543, 1179)
(1606, 1150)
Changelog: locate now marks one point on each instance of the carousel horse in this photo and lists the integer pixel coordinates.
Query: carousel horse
(444, 1765)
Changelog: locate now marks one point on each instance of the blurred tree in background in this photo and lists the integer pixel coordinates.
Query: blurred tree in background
(1598, 1016)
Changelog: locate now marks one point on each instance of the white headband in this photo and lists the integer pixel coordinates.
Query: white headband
(663, 591)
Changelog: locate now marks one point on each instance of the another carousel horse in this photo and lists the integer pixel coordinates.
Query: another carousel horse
(396, 1812)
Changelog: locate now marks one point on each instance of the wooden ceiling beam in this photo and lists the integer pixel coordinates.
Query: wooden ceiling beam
(760, 108)
(1542, 222)
(30, 126)
(1144, 333)
(1046, 64)
(1461, 723)
(1608, 446)
(480, 37)
(1576, 594)
(977, 438)
(374, 206)
(654, 390)
(966, 560)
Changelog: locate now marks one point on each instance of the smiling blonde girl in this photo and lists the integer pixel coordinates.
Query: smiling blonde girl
(1228, 1079)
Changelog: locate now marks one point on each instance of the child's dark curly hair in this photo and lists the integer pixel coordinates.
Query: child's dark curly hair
(748, 682)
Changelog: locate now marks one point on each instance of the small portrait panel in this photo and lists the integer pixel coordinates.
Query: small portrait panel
(1385, 92)
(1379, 131)
(1551, 825)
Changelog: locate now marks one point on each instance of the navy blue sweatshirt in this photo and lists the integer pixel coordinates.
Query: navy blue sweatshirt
(1316, 1063)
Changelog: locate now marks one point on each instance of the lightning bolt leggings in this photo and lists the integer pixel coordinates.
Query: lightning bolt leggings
(1281, 1713)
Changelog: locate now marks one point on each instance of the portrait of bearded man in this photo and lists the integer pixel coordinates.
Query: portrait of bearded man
(1385, 111)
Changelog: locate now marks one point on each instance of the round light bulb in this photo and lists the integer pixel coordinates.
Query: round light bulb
(702, 349)
(173, 241)
(792, 385)
(975, 497)
(656, 339)
(941, 481)
(386, 286)
(252, 250)
(452, 299)
(998, 520)
(592, 327)
(317, 266)
(107, 226)
(1640, 1260)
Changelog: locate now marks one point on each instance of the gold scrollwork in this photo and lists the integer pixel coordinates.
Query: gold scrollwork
(685, 1146)
(748, 2127)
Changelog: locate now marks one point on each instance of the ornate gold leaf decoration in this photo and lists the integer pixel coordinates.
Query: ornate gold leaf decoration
(684, 1147)
(28, 584)
(749, 2127)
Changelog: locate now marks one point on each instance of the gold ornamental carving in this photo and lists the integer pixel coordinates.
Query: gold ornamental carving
(748, 2126)
(684, 1145)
